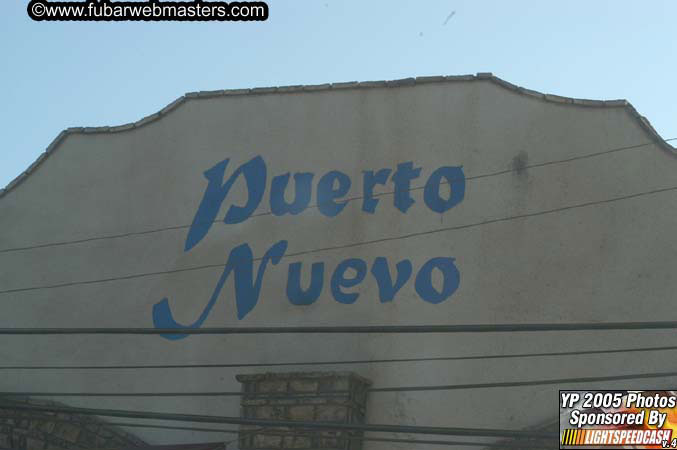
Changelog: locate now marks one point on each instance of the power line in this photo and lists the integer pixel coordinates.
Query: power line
(176, 394)
(411, 429)
(266, 433)
(504, 384)
(343, 362)
(55, 419)
(115, 424)
(448, 387)
(354, 244)
(508, 444)
(266, 213)
(383, 329)
(520, 444)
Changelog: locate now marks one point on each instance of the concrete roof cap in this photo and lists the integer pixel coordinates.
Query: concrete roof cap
(285, 90)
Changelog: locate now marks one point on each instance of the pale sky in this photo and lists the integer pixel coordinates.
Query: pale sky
(65, 74)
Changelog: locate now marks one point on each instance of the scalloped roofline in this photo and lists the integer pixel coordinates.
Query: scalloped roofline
(643, 121)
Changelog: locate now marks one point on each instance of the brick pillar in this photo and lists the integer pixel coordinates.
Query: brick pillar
(304, 396)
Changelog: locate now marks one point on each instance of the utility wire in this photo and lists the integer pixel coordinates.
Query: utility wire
(505, 384)
(382, 329)
(266, 433)
(354, 244)
(508, 444)
(448, 387)
(47, 419)
(115, 424)
(520, 444)
(178, 394)
(412, 429)
(344, 362)
(266, 213)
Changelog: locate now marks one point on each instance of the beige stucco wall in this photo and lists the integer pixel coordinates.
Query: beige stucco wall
(606, 262)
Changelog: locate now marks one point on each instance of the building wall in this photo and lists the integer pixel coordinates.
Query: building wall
(608, 261)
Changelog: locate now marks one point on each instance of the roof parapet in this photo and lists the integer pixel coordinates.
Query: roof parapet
(405, 82)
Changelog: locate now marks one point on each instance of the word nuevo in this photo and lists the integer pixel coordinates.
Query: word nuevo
(331, 188)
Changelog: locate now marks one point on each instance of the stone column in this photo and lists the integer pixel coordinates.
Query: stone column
(303, 396)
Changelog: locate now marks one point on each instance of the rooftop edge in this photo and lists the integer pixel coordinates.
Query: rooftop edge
(51, 148)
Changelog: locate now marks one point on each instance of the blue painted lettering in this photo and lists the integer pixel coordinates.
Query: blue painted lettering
(370, 180)
(386, 288)
(254, 172)
(247, 291)
(424, 283)
(332, 186)
(326, 192)
(402, 178)
(295, 292)
(339, 280)
(431, 193)
(303, 187)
